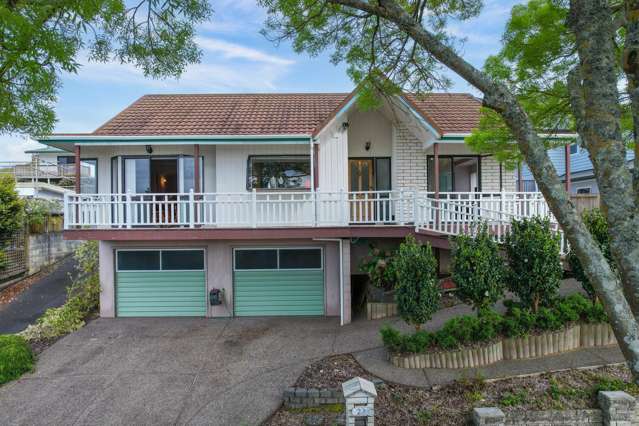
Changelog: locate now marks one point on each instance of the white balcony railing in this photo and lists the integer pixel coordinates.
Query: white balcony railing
(291, 209)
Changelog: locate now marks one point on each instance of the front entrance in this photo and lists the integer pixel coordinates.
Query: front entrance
(369, 179)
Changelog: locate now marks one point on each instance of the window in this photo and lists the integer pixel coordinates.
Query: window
(300, 258)
(283, 258)
(583, 190)
(160, 260)
(574, 148)
(89, 176)
(139, 260)
(256, 259)
(278, 172)
(456, 173)
(180, 260)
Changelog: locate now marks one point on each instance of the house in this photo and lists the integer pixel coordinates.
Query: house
(264, 204)
(578, 171)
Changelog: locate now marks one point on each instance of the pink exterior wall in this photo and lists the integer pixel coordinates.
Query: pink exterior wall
(219, 265)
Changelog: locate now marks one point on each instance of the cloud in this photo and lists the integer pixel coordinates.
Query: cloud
(238, 51)
(13, 147)
(226, 66)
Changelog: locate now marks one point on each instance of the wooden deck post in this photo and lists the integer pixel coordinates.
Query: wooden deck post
(77, 169)
(520, 182)
(196, 168)
(567, 162)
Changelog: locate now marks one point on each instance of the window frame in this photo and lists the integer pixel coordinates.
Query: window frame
(452, 165)
(278, 248)
(249, 171)
(203, 250)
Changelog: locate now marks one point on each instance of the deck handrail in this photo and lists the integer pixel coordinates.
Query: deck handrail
(258, 209)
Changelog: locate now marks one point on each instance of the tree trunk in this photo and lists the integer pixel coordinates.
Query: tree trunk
(499, 98)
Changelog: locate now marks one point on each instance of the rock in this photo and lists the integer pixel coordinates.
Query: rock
(313, 420)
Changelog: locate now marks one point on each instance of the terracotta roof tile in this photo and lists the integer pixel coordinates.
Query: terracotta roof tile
(266, 114)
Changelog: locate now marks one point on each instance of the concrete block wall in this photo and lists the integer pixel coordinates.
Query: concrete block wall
(47, 248)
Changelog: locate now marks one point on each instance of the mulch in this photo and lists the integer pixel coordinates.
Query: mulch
(452, 404)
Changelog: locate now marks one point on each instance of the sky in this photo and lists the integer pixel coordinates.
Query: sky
(236, 59)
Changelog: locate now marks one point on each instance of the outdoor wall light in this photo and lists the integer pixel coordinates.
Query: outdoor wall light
(367, 146)
(149, 149)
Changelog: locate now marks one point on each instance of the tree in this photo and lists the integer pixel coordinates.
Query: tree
(596, 223)
(417, 292)
(406, 43)
(477, 269)
(534, 263)
(41, 39)
(11, 208)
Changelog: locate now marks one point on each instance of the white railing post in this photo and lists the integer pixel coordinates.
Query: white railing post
(191, 209)
(128, 218)
(65, 211)
(314, 195)
(400, 207)
(343, 202)
(254, 208)
(414, 206)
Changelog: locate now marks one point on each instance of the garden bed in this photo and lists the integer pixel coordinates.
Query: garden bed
(524, 347)
(452, 404)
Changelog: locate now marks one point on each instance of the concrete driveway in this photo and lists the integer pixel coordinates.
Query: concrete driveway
(175, 371)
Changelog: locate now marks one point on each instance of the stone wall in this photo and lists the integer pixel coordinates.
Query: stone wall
(47, 248)
(312, 397)
(616, 408)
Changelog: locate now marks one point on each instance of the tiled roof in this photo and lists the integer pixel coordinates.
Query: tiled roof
(267, 114)
(449, 112)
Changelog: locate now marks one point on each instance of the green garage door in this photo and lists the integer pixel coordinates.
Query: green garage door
(278, 282)
(160, 283)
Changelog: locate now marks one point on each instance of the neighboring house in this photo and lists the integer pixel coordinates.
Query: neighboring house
(49, 174)
(581, 172)
(286, 191)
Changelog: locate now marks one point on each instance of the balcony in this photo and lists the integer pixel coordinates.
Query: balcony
(447, 214)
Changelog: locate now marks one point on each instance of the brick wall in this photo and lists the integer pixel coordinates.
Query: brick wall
(409, 166)
(409, 161)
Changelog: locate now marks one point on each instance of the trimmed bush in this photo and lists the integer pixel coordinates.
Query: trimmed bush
(11, 207)
(477, 269)
(598, 227)
(488, 325)
(16, 357)
(417, 292)
(535, 270)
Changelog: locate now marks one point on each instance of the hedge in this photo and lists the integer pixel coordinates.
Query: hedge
(16, 357)
(488, 325)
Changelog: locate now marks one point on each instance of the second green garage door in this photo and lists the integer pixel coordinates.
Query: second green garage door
(160, 283)
(278, 281)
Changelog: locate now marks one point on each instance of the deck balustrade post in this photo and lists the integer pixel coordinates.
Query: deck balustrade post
(191, 208)
(401, 207)
(65, 210)
(128, 210)
(415, 214)
(343, 201)
(314, 200)
(254, 208)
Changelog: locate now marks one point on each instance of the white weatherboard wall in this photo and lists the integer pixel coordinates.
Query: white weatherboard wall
(333, 160)
(231, 162)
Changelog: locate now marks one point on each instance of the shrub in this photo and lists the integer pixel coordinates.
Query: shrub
(477, 269)
(4, 259)
(417, 292)
(16, 357)
(11, 208)
(380, 268)
(83, 297)
(598, 227)
(535, 270)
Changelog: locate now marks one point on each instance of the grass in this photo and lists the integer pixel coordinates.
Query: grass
(328, 408)
(513, 399)
(16, 357)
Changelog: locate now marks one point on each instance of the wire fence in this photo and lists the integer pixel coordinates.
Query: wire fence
(13, 256)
